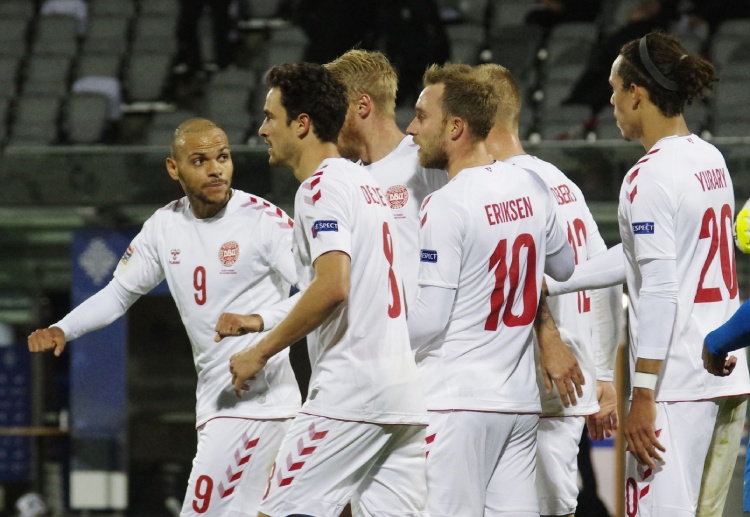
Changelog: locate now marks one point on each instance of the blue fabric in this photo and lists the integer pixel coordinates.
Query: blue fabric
(746, 485)
(733, 334)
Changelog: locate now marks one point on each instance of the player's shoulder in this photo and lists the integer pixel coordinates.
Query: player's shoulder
(259, 209)
(172, 211)
(520, 176)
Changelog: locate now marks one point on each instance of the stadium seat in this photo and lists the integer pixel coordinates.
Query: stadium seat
(56, 35)
(85, 118)
(508, 12)
(107, 35)
(146, 77)
(35, 120)
(118, 8)
(466, 41)
(12, 36)
(47, 75)
(515, 47)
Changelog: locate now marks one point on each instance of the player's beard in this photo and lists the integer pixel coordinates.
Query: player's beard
(432, 153)
(348, 142)
(197, 194)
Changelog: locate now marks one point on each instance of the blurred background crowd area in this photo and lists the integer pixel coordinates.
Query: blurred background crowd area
(127, 71)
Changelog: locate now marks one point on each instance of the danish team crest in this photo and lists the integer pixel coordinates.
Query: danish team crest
(229, 253)
(397, 196)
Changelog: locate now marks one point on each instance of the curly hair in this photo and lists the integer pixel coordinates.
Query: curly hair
(678, 77)
(312, 89)
(465, 96)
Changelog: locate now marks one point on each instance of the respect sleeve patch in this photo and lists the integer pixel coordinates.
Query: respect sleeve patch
(324, 226)
(643, 228)
(428, 256)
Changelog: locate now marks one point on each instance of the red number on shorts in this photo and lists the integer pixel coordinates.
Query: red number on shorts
(631, 497)
(577, 239)
(199, 282)
(499, 262)
(203, 489)
(394, 309)
(720, 234)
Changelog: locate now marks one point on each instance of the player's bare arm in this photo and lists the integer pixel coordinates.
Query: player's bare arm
(43, 340)
(329, 288)
(605, 421)
(231, 324)
(720, 365)
(639, 426)
(558, 363)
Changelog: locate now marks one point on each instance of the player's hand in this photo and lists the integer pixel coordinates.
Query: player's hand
(639, 431)
(559, 366)
(719, 365)
(603, 423)
(237, 325)
(244, 365)
(52, 338)
(742, 229)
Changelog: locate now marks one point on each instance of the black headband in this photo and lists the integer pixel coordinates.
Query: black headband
(652, 69)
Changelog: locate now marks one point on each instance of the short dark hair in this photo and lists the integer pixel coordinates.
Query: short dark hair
(312, 89)
(464, 96)
(686, 76)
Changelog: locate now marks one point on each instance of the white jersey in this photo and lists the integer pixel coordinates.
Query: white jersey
(486, 234)
(237, 261)
(362, 365)
(677, 203)
(571, 312)
(405, 184)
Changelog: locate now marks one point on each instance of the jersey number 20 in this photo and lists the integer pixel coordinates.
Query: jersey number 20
(503, 270)
(720, 233)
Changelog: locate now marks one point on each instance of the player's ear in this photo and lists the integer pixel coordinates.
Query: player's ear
(172, 169)
(364, 105)
(456, 127)
(303, 124)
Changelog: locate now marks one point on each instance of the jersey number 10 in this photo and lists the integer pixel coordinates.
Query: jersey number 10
(504, 269)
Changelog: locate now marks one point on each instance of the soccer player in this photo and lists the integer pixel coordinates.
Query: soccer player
(486, 239)
(675, 213)
(370, 134)
(360, 434)
(586, 320)
(220, 250)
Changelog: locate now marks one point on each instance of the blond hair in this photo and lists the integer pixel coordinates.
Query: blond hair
(465, 96)
(509, 100)
(368, 72)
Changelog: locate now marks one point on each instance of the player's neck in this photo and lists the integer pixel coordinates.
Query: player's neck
(503, 143)
(311, 158)
(203, 210)
(474, 155)
(380, 140)
(659, 126)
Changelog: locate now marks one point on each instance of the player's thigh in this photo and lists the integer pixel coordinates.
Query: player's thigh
(512, 489)
(722, 456)
(557, 464)
(231, 466)
(463, 450)
(671, 488)
(396, 484)
(319, 465)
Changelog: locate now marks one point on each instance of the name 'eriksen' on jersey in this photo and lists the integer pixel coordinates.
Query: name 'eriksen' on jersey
(712, 179)
(511, 210)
